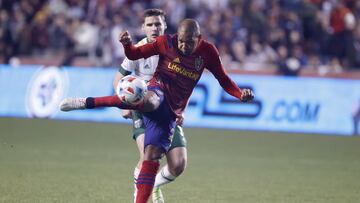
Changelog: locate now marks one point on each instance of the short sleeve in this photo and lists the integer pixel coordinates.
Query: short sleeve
(128, 66)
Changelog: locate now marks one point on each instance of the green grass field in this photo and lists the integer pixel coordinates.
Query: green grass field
(65, 161)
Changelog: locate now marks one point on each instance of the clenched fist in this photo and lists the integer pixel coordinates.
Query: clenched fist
(125, 38)
(247, 95)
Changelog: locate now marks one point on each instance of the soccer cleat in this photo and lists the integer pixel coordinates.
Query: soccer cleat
(70, 104)
(157, 196)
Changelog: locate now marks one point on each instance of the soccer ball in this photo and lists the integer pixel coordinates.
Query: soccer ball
(131, 89)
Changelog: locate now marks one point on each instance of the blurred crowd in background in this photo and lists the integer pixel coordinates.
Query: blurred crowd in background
(286, 35)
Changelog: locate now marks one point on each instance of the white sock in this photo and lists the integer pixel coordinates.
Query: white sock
(163, 177)
(136, 175)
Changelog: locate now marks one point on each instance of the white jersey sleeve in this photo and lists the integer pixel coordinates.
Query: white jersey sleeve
(129, 65)
(144, 68)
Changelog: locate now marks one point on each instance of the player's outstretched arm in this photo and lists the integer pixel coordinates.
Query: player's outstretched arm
(134, 53)
(215, 66)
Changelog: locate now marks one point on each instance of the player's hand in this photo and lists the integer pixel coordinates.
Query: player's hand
(125, 38)
(126, 113)
(247, 95)
(180, 120)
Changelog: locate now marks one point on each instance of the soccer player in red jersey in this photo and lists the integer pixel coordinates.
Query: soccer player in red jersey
(182, 60)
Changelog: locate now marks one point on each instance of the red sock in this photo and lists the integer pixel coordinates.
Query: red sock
(110, 101)
(146, 180)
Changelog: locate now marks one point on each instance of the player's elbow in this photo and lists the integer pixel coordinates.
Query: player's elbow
(178, 168)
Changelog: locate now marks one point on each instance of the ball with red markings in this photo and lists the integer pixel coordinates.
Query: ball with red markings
(131, 89)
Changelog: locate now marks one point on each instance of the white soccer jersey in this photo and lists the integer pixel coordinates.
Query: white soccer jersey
(144, 68)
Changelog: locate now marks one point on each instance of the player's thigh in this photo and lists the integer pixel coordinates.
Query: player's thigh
(177, 154)
(138, 132)
(178, 139)
(159, 127)
(140, 144)
(138, 124)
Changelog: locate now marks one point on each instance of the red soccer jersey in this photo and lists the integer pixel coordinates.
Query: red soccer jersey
(178, 74)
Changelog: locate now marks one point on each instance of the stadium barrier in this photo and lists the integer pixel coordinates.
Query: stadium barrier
(288, 104)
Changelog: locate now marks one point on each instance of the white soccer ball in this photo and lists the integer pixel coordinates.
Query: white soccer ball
(131, 89)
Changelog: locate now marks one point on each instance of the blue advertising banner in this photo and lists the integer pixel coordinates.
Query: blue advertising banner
(289, 104)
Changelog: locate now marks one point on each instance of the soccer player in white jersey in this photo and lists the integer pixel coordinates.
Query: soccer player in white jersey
(154, 25)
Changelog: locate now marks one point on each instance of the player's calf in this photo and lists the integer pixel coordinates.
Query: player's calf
(145, 181)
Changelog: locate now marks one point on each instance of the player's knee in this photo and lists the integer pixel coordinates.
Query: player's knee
(178, 167)
(153, 157)
(177, 171)
(152, 153)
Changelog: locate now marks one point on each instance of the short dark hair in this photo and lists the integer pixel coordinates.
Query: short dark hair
(154, 12)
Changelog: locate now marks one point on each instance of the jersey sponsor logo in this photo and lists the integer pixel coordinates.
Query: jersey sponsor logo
(181, 70)
(45, 92)
(176, 60)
